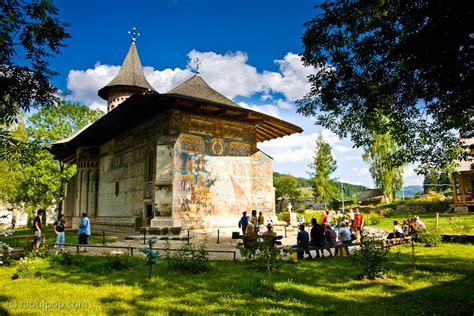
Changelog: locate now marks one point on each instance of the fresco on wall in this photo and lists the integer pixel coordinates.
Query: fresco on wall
(209, 182)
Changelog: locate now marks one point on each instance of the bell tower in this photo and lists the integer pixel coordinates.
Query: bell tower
(130, 79)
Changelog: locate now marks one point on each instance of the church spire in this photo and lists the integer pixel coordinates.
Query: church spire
(130, 79)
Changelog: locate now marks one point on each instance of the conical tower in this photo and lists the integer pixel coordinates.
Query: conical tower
(130, 80)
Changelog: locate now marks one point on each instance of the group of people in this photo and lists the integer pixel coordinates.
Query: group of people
(324, 237)
(410, 227)
(58, 228)
(253, 224)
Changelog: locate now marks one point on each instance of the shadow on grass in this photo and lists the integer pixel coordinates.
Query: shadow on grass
(4, 300)
(311, 287)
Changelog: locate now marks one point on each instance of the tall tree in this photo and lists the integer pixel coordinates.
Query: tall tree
(47, 126)
(322, 167)
(30, 34)
(386, 177)
(42, 183)
(286, 188)
(408, 61)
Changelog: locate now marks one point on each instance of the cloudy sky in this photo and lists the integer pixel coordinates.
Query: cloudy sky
(248, 50)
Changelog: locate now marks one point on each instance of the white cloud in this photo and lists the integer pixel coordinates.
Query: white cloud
(293, 148)
(410, 177)
(84, 84)
(228, 73)
(360, 171)
(269, 109)
(352, 158)
(330, 137)
(342, 148)
(284, 104)
(292, 79)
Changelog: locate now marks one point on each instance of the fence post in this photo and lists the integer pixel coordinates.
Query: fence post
(218, 232)
(285, 231)
(131, 251)
(437, 221)
(144, 235)
(77, 249)
(188, 236)
(103, 237)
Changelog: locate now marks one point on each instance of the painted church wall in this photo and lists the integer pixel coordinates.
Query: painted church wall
(216, 179)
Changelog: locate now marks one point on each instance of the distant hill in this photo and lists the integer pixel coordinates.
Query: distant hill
(349, 189)
(411, 191)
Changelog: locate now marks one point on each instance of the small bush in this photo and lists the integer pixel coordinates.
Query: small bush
(189, 259)
(372, 219)
(63, 258)
(122, 262)
(431, 237)
(24, 270)
(371, 259)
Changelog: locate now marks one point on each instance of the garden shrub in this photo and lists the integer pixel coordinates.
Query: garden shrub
(122, 262)
(372, 219)
(64, 258)
(24, 270)
(431, 237)
(371, 258)
(189, 258)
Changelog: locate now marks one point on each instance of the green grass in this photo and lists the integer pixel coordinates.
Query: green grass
(454, 224)
(442, 284)
(71, 237)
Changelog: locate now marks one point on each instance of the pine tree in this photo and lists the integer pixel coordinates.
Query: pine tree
(322, 167)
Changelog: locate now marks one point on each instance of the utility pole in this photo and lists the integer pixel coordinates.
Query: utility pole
(342, 194)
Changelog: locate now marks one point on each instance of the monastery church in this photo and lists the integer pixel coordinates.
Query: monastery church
(186, 158)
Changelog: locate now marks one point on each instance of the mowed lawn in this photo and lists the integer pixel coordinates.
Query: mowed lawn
(452, 224)
(442, 284)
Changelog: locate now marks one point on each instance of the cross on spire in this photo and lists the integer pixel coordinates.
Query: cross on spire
(197, 64)
(134, 34)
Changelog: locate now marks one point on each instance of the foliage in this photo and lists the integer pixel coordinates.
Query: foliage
(436, 181)
(5, 249)
(322, 167)
(189, 258)
(396, 67)
(152, 256)
(41, 183)
(286, 188)
(371, 258)
(30, 35)
(123, 262)
(64, 258)
(372, 219)
(262, 257)
(431, 237)
(386, 177)
(25, 268)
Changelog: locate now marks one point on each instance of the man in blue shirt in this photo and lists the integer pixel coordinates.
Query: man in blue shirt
(84, 231)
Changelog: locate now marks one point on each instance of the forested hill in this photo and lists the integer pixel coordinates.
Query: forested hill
(349, 189)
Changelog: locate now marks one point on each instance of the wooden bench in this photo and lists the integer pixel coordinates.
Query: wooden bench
(254, 241)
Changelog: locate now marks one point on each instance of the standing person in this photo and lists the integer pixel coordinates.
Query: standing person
(345, 236)
(261, 219)
(324, 218)
(406, 228)
(351, 216)
(59, 231)
(37, 229)
(358, 222)
(84, 231)
(419, 224)
(317, 237)
(244, 222)
(253, 218)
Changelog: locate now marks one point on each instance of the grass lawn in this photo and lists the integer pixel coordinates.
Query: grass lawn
(71, 237)
(454, 224)
(442, 284)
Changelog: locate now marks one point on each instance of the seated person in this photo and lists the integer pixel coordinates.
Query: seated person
(330, 238)
(250, 236)
(302, 242)
(345, 236)
(397, 231)
(317, 236)
(270, 235)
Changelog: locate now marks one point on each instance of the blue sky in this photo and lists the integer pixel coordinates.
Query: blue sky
(248, 49)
